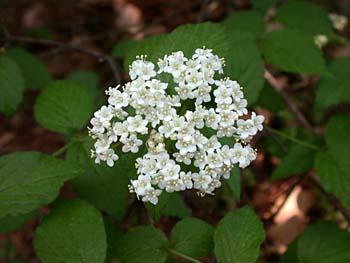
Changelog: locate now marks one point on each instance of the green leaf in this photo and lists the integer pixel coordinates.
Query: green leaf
(263, 5)
(102, 186)
(120, 49)
(238, 237)
(304, 16)
(72, 232)
(334, 174)
(171, 260)
(29, 180)
(11, 85)
(322, 242)
(333, 166)
(297, 161)
(11, 223)
(85, 78)
(335, 89)
(89, 80)
(168, 205)
(235, 183)
(270, 99)
(244, 25)
(34, 71)
(245, 65)
(63, 106)
(293, 51)
(186, 38)
(143, 244)
(192, 237)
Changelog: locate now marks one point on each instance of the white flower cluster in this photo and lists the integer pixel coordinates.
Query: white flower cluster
(187, 125)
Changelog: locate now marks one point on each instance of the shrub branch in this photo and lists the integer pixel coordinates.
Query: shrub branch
(290, 103)
(101, 57)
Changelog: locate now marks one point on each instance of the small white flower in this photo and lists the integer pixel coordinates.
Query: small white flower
(212, 144)
(176, 64)
(194, 79)
(225, 107)
(239, 154)
(201, 180)
(226, 131)
(226, 154)
(151, 196)
(185, 146)
(102, 145)
(111, 157)
(246, 128)
(223, 95)
(146, 70)
(212, 119)
(162, 160)
(156, 86)
(131, 144)
(173, 185)
(214, 160)
(199, 139)
(185, 91)
(105, 114)
(166, 113)
(121, 129)
(200, 159)
(97, 126)
(321, 40)
(227, 118)
(162, 64)
(118, 99)
(257, 121)
(338, 21)
(171, 171)
(137, 124)
(193, 64)
(186, 132)
(240, 107)
(166, 129)
(183, 158)
(186, 180)
(142, 184)
(202, 54)
(197, 116)
(202, 94)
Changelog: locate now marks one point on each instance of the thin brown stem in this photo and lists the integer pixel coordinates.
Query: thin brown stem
(288, 192)
(290, 103)
(277, 140)
(331, 199)
(101, 57)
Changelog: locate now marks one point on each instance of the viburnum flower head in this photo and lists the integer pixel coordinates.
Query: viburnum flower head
(189, 132)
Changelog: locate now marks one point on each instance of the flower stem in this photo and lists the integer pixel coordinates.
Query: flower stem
(288, 137)
(180, 255)
(63, 149)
